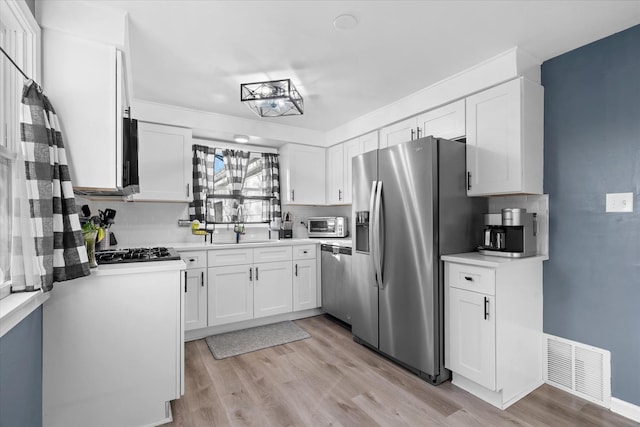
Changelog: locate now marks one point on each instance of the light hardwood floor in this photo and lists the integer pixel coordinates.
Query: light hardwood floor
(329, 380)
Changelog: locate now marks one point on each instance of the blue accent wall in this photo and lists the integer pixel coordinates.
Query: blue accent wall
(21, 373)
(592, 147)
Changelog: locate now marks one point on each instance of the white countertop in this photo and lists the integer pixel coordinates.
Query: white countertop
(475, 258)
(198, 246)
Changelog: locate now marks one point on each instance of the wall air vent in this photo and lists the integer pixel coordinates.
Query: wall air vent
(578, 368)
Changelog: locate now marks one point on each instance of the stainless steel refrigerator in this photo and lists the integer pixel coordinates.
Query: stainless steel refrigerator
(409, 207)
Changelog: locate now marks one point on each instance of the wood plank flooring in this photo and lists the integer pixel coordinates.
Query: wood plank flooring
(329, 380)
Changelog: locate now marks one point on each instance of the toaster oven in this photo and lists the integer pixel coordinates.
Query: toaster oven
(327, 226)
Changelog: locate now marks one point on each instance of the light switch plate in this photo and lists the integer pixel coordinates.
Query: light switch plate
(619, 202)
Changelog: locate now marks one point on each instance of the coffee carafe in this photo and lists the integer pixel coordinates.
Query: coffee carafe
(511, 234)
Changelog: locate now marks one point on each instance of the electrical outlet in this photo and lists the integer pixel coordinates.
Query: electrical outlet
(184, 223)
(619, 202)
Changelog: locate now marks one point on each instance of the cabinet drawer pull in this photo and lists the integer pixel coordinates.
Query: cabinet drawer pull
(202, 278)
(486, 308)
(296, 270)
(192, 260)
(469, 278)
(250, 274)
(256, 273)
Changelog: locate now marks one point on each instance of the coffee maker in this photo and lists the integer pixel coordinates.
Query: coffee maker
(510, 234)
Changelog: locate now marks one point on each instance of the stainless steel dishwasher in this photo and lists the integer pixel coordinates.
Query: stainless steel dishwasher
(336, 281)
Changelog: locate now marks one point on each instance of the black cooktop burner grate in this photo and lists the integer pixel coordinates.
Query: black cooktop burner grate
(117, 256)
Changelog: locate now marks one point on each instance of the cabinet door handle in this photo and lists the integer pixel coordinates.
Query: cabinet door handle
(202, 278)
(412, 133)
(187, 190)
(486, 308)
(468, 180)
(185, 281)
(296, 270)
(339, 194)
(250, 274)
(256, 274)
(293, 194)
(469, 278)
(418, 130)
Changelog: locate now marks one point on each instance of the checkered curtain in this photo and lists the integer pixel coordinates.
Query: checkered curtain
(60, 250)
(271, 186)
(202, 161)
(235, 163)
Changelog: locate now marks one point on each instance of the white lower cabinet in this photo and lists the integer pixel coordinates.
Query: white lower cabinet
(272, 293)
(304, 285)
(195, 290)
(259, 282)
(493, 325)
(230, 294)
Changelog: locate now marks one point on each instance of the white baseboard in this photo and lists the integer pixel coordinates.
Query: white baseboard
(625, 409)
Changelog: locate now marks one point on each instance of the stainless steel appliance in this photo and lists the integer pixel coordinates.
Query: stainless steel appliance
(118, 256)
(409, 207)
(327, 226)
(336, 280)
(510, 234)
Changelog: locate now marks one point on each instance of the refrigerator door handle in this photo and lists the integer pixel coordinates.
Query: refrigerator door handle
(379, 236)
(372, 227)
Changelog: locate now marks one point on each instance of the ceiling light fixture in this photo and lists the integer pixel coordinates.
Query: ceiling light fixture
(273, 98)
(241, 138)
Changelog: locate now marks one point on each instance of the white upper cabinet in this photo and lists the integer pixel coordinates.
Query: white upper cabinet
(396, 133)
(164, 163)
(446, 122)
(335, 175)
(339, 168)
(302, 175)
(505, 139)
(82, 79)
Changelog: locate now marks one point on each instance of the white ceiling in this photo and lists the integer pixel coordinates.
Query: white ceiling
(195, 54)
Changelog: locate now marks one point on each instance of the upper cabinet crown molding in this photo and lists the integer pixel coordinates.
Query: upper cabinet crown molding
(503, 67)
(505, 139)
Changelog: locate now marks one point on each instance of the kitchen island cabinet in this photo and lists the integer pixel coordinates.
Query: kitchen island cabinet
(493, 327)
(113, 346)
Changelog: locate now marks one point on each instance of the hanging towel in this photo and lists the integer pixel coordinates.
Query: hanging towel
(60, 250)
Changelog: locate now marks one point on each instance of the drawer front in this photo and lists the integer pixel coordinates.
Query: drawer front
(471, 278)
(223, 257)
(304, 252)
(194, 259)
(272, 254)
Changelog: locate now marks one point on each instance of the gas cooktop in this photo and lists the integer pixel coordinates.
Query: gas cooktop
(117, 256)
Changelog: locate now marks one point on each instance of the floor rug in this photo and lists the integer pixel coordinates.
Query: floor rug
(252, 339)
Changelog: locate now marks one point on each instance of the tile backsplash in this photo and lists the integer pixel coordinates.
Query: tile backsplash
(153, 223)
(538, 204)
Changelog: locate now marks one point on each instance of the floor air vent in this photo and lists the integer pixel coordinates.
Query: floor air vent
(579, 369)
